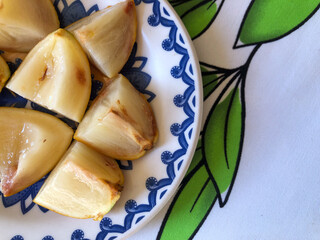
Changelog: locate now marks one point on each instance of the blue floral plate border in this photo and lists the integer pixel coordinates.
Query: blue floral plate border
(188, 99)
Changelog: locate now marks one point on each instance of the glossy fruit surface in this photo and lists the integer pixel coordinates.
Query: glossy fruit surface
(107, 36)
(120, 122)
(31, 144)
(85, 184)
(56, 75)
(24, 23)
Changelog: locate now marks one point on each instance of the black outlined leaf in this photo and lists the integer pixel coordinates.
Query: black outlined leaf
(209, 82)
(190, 207)
(212, 77)
(270, 20)
(223, 135)
(197, 15)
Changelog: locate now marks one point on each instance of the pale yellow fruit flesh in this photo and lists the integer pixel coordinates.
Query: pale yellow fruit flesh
(108, 36)
(4, 73)
(56, 75)
(85, 184)
(23, 23)
(120, 123)
(31, 144)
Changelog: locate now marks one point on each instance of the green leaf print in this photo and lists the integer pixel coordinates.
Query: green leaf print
(270, 20)
(190, 207)
(209, 82)
(212, 77)
(197, 15)
(222, 137)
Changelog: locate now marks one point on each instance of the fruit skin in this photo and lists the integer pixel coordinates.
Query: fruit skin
(4, 73)
(13, 56)
(24, 23)
(85, 184)
(108, 36)
(56, 75)
(99, 83)
(120, 122)
(31, 144)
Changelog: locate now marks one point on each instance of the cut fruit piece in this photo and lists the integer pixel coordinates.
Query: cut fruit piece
(24, 23)
(85, 184)
(56, 75)
(108, 36)
(4, 73)
(31, 144)
(120, 122)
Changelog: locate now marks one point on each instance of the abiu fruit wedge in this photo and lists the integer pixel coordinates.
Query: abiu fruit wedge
(31, 144)
(56, 75)
(107, 36)
(120, 122)
(4, 73)
(85, 184)
(24, 23)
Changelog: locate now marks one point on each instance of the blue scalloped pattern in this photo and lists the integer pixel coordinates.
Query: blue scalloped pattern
(75, 11)
(48, 238)
(78, 235)
(19, 237)
(72, 12)
(23, 196)
(139, 79)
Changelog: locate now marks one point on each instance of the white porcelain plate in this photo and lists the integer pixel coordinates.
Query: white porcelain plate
(164, 67)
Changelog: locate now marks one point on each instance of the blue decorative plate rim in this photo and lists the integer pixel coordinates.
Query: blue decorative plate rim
(183, 101)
